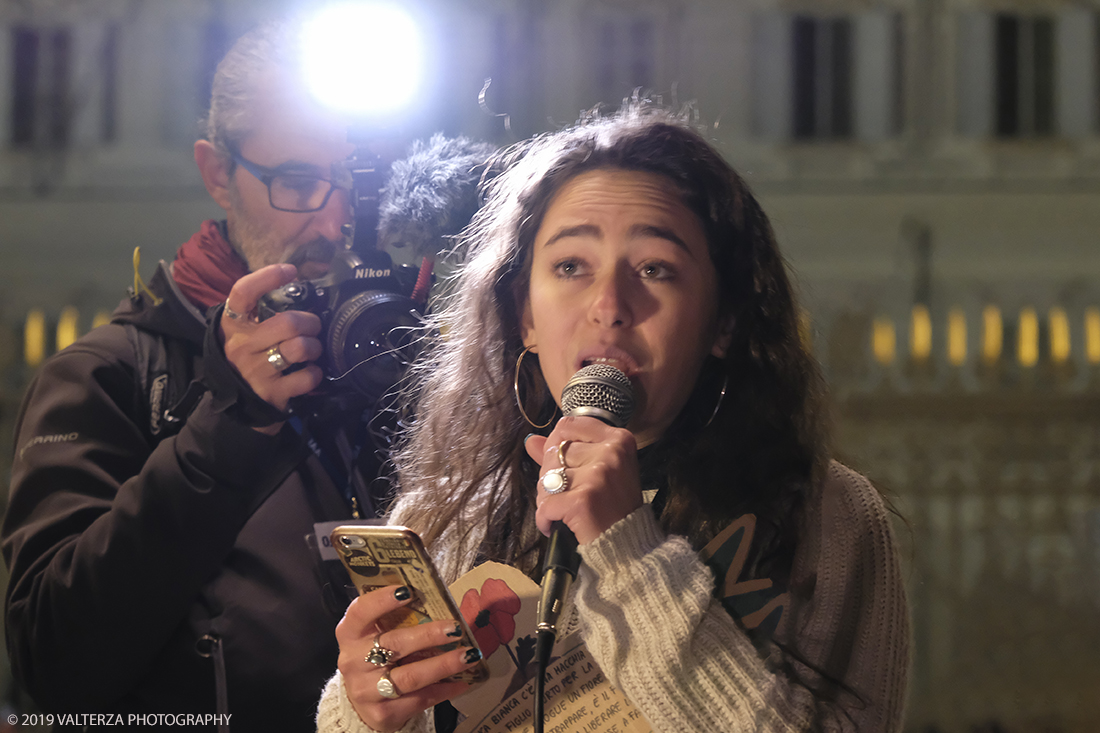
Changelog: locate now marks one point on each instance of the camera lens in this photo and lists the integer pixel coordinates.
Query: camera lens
(369, 341)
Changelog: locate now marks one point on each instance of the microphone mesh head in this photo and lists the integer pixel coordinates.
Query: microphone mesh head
(601, 391)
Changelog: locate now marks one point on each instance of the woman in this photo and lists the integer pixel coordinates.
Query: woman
(630, 241)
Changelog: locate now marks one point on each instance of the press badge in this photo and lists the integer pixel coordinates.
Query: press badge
(322, 532)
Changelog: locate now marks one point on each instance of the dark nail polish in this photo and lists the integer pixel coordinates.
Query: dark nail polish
(529, 436)
(473, 655)
(402, 593)
(456, 632)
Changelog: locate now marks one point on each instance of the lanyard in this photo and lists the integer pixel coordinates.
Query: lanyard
(339, 456)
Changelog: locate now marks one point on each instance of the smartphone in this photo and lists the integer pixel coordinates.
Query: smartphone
(377, 556)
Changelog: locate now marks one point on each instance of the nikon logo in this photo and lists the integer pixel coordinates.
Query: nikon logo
(369, 272)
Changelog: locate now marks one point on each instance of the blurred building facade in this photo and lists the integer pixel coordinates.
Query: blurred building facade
(932, 170)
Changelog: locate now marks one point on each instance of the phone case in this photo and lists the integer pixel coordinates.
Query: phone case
(379, 556)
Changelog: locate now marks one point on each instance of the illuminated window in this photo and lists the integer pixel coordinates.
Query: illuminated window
(920, 333)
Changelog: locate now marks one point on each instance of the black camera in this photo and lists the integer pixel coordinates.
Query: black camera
(369, 320)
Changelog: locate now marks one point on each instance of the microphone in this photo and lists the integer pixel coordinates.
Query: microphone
(431, 195)
(603, 392)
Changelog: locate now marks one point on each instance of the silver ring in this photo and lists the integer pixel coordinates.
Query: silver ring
(379, 655)
(386, 688)
(555, 481)
(235, 316)
(276, 359)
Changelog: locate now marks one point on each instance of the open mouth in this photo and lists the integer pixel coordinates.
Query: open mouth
(622, 365)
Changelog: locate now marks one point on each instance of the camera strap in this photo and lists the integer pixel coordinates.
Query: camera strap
(355, 488)
(339, 457)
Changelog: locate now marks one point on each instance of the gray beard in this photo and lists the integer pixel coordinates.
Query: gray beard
(249, 242)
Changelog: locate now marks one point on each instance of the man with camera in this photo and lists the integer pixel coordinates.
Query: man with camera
(166, 512)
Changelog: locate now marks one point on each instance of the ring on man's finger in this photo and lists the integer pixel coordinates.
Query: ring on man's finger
(235, 316)
(379, 655)
(276, 359)
(386, 688)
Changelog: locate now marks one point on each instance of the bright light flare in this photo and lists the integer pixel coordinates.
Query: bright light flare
(364, 59)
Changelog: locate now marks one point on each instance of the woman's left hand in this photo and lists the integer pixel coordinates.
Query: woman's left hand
(601, 465)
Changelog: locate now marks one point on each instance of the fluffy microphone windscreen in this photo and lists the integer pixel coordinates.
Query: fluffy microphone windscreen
(431, 194)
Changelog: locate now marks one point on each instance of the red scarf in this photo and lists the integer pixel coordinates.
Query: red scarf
(206, 266)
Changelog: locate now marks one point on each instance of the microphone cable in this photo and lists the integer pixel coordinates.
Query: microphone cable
(562, 563)
(605, 393)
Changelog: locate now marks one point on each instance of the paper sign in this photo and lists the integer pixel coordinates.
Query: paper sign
(500, 605)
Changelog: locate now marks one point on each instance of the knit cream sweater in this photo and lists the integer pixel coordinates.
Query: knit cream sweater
(646, 609)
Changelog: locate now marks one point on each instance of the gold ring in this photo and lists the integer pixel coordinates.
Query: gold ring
(561, 452)
(386, 688)
(276, 359)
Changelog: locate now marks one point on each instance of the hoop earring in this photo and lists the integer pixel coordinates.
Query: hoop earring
(721, 396)
(519, 402)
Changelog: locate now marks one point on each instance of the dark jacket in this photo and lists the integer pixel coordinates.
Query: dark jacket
(127, 549)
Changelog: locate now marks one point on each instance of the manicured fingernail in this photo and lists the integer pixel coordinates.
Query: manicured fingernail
(473, 655)
(402, 593)
(456, 632)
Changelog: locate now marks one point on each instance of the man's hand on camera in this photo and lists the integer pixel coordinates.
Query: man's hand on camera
(264, 352)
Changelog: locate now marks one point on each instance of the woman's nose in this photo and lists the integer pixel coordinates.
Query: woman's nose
(610, 306)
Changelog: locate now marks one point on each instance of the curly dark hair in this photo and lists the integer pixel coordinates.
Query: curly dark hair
(763, 451)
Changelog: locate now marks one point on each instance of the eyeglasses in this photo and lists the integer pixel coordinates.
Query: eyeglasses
(295, 192)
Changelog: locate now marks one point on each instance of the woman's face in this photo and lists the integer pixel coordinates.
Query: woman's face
(621, 275)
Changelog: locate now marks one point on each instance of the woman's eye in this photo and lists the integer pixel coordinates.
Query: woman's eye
(567, 268)
(655, 271)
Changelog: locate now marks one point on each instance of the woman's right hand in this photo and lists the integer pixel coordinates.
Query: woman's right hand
(420, 682)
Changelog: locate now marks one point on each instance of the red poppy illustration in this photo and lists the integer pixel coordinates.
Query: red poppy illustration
(491, 614)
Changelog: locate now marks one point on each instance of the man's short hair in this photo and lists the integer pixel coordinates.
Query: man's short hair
(271, 46)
